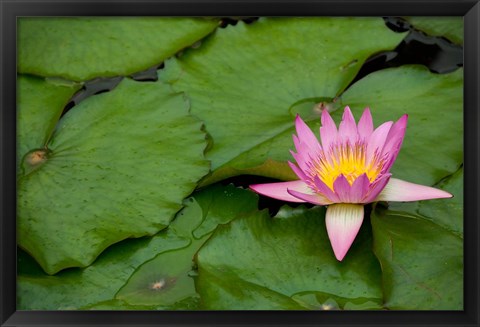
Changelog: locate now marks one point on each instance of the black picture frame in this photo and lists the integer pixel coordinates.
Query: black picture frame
(10, 10)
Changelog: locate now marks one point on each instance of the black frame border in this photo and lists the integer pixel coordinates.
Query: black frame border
(10, 10)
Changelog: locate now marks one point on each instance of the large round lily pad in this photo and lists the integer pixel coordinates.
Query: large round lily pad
(422, 263)
(81, 48)
(123, 275)
(118, 165)
(420, 247)
(80, 288)
(260, 263)
(249, 81)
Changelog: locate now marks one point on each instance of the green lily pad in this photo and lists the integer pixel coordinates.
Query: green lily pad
(81, 48)
(422, 263)
(265, 261)
(222, 295)
(39, 101)
(449, 27)
(126, 265)
(322, 301)
(433, 144)
(164, 281)
(447, 213)
(94, 286)
(168, 280)
(248, 82)
(190, 304)
(220, 204)
(420, 246)
(117, 166)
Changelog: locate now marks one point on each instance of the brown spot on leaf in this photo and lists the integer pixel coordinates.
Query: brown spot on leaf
(36, 157)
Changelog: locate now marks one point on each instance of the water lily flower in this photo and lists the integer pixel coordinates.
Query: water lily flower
(348, 169)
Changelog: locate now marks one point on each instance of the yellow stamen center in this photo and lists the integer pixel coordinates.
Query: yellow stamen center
(347, 160)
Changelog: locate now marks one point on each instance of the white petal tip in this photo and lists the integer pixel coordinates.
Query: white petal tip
(343, 221)
(402, 191)
(444, 195)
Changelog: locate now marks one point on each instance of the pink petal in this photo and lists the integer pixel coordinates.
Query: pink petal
(311, 197)
(394, 141)
(296, 142)
(342, 189)
(328, 130)
(359, 189)
(377, 139)
(298, 171)
(348, 129)
(279, 190)
(305, 135)
(398, 190)
(343, 221)
(325, 190)
(365, 124)
(397, 132)
(305, 151)
(302, 163)
(376, 187)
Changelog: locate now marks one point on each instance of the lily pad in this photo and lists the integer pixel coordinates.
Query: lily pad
(248, 82)
(38, 102)
(422, 263)
(118, 305)
(168, 280)
(449, 27)
(81, 48)
(121, 268)
(117, 166)
(322, 301)
(447, 213)
(272, 260)
(433, 144)
(94, 286)
(220, 205)
(164, 281)
(420, 245)
(222, 295)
